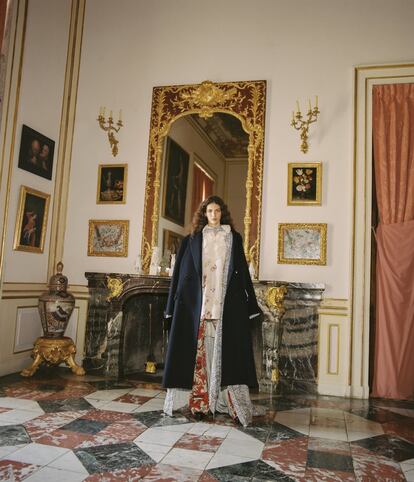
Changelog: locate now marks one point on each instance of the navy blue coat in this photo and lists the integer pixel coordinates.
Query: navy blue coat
(184, 308)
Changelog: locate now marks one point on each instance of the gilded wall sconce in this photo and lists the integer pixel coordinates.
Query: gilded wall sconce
(110, 127)
(300, 123)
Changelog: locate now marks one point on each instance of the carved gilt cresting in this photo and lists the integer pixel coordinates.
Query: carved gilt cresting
(244, 100)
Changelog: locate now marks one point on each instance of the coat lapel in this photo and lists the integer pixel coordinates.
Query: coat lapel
(195, 246)
(231, 263)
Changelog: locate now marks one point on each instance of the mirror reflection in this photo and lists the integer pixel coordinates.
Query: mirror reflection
(201, 157)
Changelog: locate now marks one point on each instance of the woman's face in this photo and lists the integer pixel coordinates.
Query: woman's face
(213, 213)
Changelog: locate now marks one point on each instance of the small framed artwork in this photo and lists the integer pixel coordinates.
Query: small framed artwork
(108, 238)
(302, 243)
(36, 153)
(31, 222)
(171, 241)
(304, 183)
(112, 180)
(175, 182)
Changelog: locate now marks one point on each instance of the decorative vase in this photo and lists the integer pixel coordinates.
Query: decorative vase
(56, 305)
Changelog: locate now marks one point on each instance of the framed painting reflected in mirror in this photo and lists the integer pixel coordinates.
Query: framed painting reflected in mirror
(302, 243)
(171, 241)
(175, 182)
(304, 183)
(31, 222)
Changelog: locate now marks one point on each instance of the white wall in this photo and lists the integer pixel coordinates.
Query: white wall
(130, 46)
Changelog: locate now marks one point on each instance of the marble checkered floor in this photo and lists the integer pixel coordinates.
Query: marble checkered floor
(58, 427)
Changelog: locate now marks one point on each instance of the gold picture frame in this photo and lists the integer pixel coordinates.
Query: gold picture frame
(108, 237)
(31, 221)
(302, 243)
(171, 241)
(304, 184)
(112, 184)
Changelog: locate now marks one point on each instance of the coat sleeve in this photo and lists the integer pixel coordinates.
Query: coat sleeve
(169, 309)
(252, 305)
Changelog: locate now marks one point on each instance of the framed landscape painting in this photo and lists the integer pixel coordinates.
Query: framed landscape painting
(108, 238)
(36, 153)
(302, 243)
(304, 183)
(31, 222)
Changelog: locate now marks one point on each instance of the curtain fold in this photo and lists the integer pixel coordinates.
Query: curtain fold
(393, 143)
(202, 187)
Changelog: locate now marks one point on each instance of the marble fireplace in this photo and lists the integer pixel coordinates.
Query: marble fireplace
(125, 328)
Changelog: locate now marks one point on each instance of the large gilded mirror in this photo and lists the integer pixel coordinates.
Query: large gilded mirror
(205, 139)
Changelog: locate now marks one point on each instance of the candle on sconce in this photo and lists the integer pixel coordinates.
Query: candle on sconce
(120, 115)
(110, 115)
(293, 116)
(297, 106)
(316, 102)
(103, 111)
(310, 106)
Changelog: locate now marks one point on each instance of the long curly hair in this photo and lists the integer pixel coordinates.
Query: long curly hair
(200, 218)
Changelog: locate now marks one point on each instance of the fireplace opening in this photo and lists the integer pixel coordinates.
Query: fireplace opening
(143, 338)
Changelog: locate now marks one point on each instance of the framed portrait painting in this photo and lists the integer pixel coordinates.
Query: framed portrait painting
(175, 182)
(108, 238)
(171, 241)
(112, 180)
(304, 183)
(36, 153)
(31, 222)
(302, 243)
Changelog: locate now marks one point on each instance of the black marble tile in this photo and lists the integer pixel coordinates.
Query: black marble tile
(388, 446)
(107, 458)
(281, 432)
(379, 415)
(65, 405)
(13, 435)
(329, 461)
(158, 419)
(85, 426)
(259, 432)
(111, 384)
(382, 402)
(256, 470)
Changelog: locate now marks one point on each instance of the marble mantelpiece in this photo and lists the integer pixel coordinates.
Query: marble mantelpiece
(104, 344)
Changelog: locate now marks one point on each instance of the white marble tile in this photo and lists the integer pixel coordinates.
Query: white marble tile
(22, 403)
(200, 428)
(235, 434)
(161, 395)
(69, 462)
(332, 433)
(20, 416)
(359, 427)
(49, 474)
(97, 403)
(108, 395)
(188, 458)
(408, 462)
(119, 407)
(182, 427)
(327, 412)
(146, 392)
(220, 431)
(221, 460)
(409, 475)
(37, 454)
(159, 436)
(287, 418)
(242, 447)
(151, 405)
(5, 450)
(153, 447)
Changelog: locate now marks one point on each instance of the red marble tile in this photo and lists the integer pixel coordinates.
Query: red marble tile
(171, 473)
(3, 410)
(16, 471)
(49, 422)
(206, 477)
(400, 429)
(70, 393)
(128, 398)
(322, 475)
(374, 469)
(199, 442)
(118, 432)
(108, 416)
(64, 438)
(131, 475)
(288, 456)
(28, 393)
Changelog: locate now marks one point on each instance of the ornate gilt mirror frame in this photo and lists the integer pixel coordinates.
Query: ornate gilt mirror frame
(245, 100)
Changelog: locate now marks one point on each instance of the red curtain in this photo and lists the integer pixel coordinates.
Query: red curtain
(393, 142)
(202, 187)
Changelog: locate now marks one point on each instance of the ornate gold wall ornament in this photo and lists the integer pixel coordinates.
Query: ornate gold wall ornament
(115, 287)
(300, 124)
(108, 126)
(245, 100)
(275, 297)
(53, 352)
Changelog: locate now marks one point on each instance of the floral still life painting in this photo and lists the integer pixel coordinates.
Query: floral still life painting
(108, 238)
(302, 243)
(304, 183)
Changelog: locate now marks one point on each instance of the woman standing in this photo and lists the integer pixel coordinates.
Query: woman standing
(209, 362)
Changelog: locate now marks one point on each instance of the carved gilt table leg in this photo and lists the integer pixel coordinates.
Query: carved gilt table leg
(53, 351)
